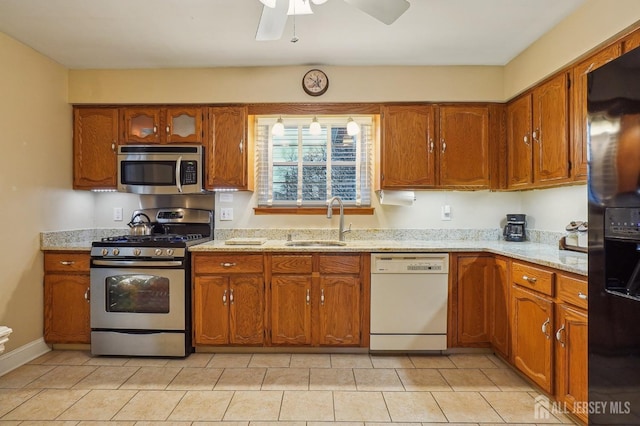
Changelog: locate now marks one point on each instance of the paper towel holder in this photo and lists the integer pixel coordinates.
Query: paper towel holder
(396, 197)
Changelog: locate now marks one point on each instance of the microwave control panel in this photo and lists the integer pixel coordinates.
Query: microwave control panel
(189, 173)
(622, 222)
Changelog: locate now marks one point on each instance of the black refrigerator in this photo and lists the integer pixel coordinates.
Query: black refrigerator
(613, 103)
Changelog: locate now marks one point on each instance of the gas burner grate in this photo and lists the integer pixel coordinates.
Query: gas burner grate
(171, 238)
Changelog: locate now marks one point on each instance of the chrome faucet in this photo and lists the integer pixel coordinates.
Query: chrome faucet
(341, 230)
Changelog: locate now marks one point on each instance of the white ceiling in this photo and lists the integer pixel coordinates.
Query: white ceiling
(83, 34)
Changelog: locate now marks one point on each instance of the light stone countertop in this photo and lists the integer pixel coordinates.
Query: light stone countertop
(541, 254)
(538, 253)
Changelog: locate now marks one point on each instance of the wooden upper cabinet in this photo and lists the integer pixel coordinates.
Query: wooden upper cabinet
(579, 106)
(162, 125)
(631, 41)
(227, 154)
(95, 138)
(464, 146)
(408, 147)
(183, 124)
(551, 130)
(519, 151)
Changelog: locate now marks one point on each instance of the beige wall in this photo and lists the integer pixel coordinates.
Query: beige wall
(35, 178)
(592, 24)
(283, 84)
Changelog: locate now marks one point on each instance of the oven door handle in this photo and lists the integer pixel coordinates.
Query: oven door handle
(139, 263)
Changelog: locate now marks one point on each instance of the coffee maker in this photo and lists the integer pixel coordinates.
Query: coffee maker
(514, 230)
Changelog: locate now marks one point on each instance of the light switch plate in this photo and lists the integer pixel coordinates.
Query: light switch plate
(226, 213)
(117, 214)
(446, 212)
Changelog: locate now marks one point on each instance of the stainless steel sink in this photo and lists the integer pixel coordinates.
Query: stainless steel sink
(315, 243)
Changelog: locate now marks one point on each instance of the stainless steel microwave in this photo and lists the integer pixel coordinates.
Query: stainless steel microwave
(160, 169)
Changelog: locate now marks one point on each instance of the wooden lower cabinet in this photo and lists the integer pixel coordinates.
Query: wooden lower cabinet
(316, 299)
(291, 310)
(310, 299)
(66, 292)
(499, 302)
(228, 299)
(532, 329)
(339, 314)
(474, 280)
(481, 302)
(571, 357)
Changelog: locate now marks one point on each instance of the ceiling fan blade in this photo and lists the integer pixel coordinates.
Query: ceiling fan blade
(385, 11)
(272, 21)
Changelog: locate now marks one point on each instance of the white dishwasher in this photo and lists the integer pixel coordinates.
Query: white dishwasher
(409, 295)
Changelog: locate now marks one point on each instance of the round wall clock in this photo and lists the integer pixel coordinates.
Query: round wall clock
(315, 82)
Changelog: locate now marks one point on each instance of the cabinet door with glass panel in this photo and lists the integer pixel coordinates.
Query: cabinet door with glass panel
(174, 124)
(301, 164)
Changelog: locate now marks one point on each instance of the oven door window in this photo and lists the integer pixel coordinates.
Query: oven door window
(148, 173)
(137, 293)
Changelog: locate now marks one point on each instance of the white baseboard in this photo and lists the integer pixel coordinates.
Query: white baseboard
(22, 355)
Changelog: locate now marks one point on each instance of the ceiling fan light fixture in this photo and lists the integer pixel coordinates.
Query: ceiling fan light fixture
(269, 3)
(299, 7)
(278, 128)
(314, 128)
(353, 128)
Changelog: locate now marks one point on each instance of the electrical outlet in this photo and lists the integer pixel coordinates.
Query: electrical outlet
(226, 213)
(446, 212)
(117, 214)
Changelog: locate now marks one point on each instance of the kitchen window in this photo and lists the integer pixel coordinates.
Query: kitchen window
(300, 169)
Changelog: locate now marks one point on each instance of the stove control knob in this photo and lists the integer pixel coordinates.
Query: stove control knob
(136, 252)
(169, 252)
(105, 252)
(116, 252)
(158, 252)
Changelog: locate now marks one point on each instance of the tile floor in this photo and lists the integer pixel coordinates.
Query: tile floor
(74, 388)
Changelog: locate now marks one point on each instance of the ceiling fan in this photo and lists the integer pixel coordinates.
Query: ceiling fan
(275, 12)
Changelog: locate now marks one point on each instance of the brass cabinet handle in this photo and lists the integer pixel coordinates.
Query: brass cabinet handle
(532, 280)
(544, 328)
(558, 334)
(582, 296)
(227, 264)
(224, 298)
(444, 145)
(67, 262)
(322, 297)
(87, 295)
(231, 296)
(155, 129)
(241, 146)
(308, 296)
(526, 139)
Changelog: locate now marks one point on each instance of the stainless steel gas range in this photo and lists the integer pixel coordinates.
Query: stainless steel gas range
(141, 287)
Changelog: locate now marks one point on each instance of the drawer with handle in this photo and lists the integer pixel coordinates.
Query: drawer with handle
(227, 263)
(66, 262)
(537, 279)
(573, 291)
